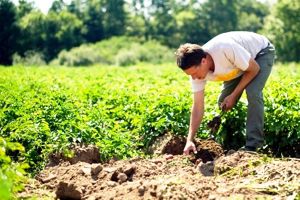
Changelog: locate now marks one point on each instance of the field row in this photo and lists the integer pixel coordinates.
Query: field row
(122, 110)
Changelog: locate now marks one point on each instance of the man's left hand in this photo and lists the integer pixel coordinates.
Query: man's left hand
(228, 103)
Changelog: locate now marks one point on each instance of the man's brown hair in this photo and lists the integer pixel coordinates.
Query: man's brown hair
(189, 55)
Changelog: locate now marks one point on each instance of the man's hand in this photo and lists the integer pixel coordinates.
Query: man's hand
(249, 74)
(188, 147)
(228, 102)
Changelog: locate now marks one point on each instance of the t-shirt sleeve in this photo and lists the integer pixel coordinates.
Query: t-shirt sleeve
(197, 84)
(237, 55)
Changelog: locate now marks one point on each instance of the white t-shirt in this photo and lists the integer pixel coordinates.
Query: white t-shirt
(231, 53)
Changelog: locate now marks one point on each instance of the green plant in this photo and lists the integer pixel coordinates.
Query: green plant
(12, 173)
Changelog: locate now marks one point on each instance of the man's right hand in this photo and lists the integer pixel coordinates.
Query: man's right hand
(189, 146)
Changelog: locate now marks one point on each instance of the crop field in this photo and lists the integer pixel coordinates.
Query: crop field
(48, 113)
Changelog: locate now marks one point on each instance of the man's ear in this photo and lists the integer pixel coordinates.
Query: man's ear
(203, 61)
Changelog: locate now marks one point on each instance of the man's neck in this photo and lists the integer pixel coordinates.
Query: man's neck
(211, 63)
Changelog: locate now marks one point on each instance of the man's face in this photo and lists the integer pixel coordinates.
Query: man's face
(198, 71)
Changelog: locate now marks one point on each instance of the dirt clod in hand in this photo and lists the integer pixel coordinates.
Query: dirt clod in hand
(214, 124)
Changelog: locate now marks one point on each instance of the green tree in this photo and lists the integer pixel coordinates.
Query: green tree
(9, 31)
(57, 6)
(91, 14)
(51, 33)
(93, 21)
(114, 17)
(77, 7)
(157, 18)
(136, 26)
(163, 24)
(139, 19)
(219, 16)
(33, 29)
(192, 24)
(251, 15)
(24, 8)
(282, 26)
(63, 31)
(199, 22)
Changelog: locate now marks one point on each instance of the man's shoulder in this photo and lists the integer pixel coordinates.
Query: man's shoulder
(217, 45)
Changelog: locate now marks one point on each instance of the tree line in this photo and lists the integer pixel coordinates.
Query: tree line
(25, 29)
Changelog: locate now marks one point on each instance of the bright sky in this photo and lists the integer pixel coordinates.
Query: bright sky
(43, 5)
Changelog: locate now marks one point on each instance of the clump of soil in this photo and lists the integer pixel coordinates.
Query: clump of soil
(214, 124)
(241, 175)
(168, 144)
(207, 150)
(88, 154)
(240, 159)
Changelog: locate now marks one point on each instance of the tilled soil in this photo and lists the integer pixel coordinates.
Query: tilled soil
(207, 175)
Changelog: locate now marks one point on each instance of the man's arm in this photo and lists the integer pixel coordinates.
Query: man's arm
(195, 120)
(249, 74)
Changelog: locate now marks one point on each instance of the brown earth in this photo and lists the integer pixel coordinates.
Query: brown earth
(168, 175)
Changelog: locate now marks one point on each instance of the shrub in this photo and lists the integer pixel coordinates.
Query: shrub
(126, 58)
(31, 58)
(111, 47)
(84, 55)
(122, 51)
(148, 52)
(155, 53)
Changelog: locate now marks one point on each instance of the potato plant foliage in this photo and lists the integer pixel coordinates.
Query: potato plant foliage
(121, 110)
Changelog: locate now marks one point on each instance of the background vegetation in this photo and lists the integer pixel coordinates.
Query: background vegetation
(26, 31)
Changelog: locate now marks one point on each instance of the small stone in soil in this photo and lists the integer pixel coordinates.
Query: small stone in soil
(169, 156)
(141, 190)
(122, 177)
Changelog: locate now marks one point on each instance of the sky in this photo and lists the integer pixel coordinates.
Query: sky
(43, 5)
